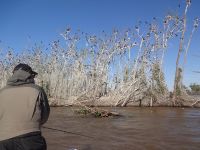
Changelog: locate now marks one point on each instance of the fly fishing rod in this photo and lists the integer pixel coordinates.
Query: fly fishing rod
(59, 130)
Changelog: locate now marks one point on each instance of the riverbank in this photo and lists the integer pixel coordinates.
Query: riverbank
(184, 101)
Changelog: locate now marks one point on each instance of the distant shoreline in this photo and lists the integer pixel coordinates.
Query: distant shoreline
(190, 101)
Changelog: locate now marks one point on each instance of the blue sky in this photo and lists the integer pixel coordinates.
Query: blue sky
(24, 22)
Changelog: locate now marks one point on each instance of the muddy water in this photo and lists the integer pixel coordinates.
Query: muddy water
(137, 129)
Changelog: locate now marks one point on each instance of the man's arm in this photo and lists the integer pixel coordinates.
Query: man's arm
(44, 104)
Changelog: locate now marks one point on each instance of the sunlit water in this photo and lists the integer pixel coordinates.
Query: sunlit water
(137, 129)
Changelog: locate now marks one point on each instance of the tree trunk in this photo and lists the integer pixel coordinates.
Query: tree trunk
(177, 85)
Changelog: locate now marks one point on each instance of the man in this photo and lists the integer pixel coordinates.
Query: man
(24, 109)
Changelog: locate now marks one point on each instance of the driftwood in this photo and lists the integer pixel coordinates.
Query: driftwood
(195, 103)
(96, 112)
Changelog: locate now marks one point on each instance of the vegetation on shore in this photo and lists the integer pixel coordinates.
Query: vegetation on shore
(118, 69)
(195, 89)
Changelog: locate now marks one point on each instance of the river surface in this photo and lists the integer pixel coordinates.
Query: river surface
(160, 128)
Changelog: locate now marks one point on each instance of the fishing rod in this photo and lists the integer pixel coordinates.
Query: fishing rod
(59, 130)
(196, 71)
(196, 55)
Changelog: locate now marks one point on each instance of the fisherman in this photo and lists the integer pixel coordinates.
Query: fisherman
(24, 108)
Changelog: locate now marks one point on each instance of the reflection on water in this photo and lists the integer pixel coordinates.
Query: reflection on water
(137, 129)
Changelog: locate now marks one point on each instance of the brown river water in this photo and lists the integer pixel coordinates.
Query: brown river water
(160, 128)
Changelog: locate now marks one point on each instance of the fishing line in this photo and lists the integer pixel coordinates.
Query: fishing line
(67, 132)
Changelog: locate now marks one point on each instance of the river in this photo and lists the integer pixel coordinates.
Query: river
(157, 128)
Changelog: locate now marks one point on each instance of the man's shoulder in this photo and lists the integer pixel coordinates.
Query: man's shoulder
(3, 89)
(35, 86)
